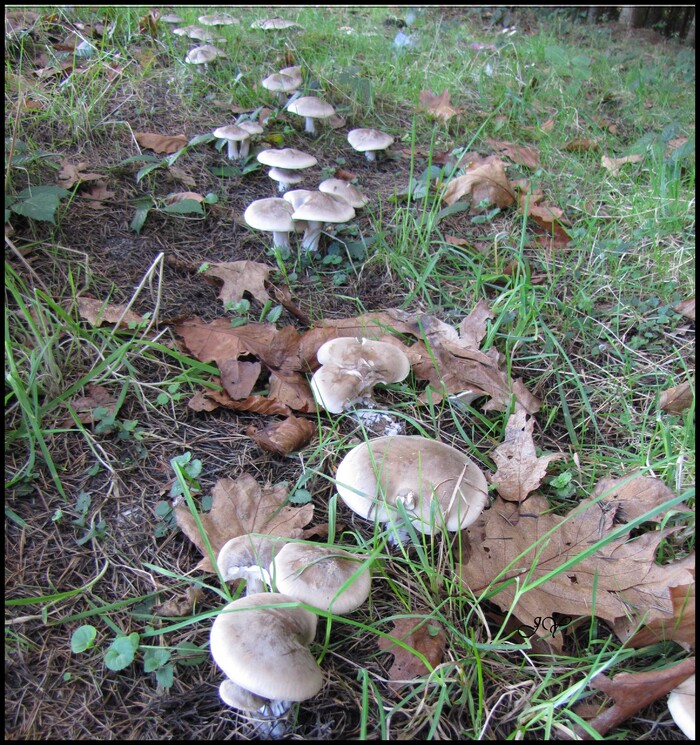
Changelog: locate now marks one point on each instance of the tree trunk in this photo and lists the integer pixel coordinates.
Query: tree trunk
(633, 16)
(690, 36)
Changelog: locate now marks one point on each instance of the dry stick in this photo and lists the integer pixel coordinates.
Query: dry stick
(631, 692)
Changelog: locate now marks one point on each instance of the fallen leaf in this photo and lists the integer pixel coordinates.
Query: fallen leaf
(160, 143)
(483, 181)
(241, 277)
(508, 542)
(70, 174)
(581, 145)
(524, 156)
(615, 164)
(422, 635)
(686, 308)
(183, 176)
(180, 196)
(285, 437)
(241, 506)
(96, 312)
(239, 377)
(98, 192)
(677, 399)
(519, 470)
(183, 604)
(84, 406)
(633, 496)
(439, 106)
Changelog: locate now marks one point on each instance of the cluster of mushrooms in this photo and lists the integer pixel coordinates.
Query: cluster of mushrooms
(261, 640)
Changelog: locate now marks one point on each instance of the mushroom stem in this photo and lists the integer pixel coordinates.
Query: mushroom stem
(244, 150)
(282, 186)
(309, 125)
(371, 154)
(312, 236)
(232, 150)
(281, 240)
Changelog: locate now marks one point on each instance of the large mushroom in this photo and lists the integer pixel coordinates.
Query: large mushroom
(437, 486)
(318, 209)
(369, 141)
(345, 190)
(261, 643)
(287, 159)
(273, 215)
(350, 368)
(203, 55)
(321, 576)
(311, 108)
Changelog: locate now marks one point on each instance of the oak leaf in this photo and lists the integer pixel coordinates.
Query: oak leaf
(439, 106)
(484, 180)
(242, 506)
(240, 277)
(422, 635)
(160, 143)
(524, 156)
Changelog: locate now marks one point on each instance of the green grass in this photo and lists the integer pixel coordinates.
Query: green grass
(590, 326)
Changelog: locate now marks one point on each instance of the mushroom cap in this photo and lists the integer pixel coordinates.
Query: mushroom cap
(231, 132)
(293, 72)
(218, 19)
(286, 157)
(202, 55)
(271, 214)
(296, 196)
(312, 107)
(274, 24)
(436, 483)
(198, 32)
(319, 207)
(681, 704)
(365, 139)
(285, 175)
(315, 575)
(345, 190)
(247, 552)
(350, 368)
(171, 18)
(233, 695)
(279, 82)
(252, 128)
(266, 649)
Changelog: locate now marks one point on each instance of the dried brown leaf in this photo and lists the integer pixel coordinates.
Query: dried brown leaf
(239, 377)
(677, 399)
(614, 164)
(239, 278)
(96, 312)
(438, 106)
(483, 180)
(160, 143)
(84, 406)
(242, 506)
(180, 196)
(424, 636)
(70, 174)
(520, 471)
(581, 145)
(285, 437)
(524, 156)
(183, 604)
(686, 308)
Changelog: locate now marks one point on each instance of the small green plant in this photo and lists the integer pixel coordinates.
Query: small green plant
(107, 423)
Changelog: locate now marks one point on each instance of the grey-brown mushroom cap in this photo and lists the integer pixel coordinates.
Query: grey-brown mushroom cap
(351, 367)
(265, 649)
(681, 704)
(310, 106)
(247, 552)
(367, 138)
(346, 191)
(287, 157)
(233, 695)
(252, 128)
(218, 19)
(438, 485)
(316, 575)
(231, 132)
(272, 214)
(202, 55)
(286, 175)
(319, 207)
(280, 83)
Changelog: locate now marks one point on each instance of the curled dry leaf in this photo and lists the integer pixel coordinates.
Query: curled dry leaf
(520, 471)
(423, 635)
(581, 145)
(484, 180)
(242, 506)
(70, 174)
(615, 164)
(508, 541)
(183, 604)
(180, 196)
(677, 399)
(285, 437)
(160, 143)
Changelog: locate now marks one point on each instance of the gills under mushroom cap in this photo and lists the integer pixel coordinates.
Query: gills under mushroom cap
(437, 485)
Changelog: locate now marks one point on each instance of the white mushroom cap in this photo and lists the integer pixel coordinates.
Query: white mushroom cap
(369, 141)
(293, 72)
(274, 24)
(233, 695)
(202, 55)
(311, 108)
(286, 157)
(280, 83)
(285, 177)
(233, 134)
(438, 485)
(248, 557)
(218, 19)
(316, 575)
(171, 18)
(681, 704)
(265, 649)
(345, 190)
(273, 215)
(198, 32)
(317, 210)
(252, 128)
(351, 367)
(296, 196)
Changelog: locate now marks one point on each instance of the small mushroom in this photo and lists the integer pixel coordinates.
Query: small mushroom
(681, 704)
(311, 108)
(248, 557)
(253, 129)
(273, 215)
(202, 55)
(288, 158)
(285, 178)
(319, 209)
(369, 141)
(233, 134)
(350, 368)
(345, 190)
(274, 24)
(281, 84)
(438, 486)
(218, 19)
(199, 33)
(321, 576)
(261, 643)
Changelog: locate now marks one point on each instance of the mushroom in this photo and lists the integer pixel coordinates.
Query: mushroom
(321, 576)
(198, 32)
(345, 190)
(288, 158)
(261, 643)
(233, 134)
(311, 108)
(171, 18)
(285, 178)
(248, 557)
(281, 83)
(369, 141)
(274, 24)
(273, 215)
(351, 367)
(218, 19)
(318, 209)
(202, 55)
(681, 704)
(253, 129)
(436, 485)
